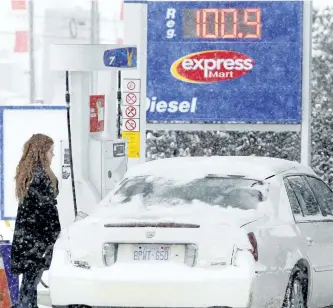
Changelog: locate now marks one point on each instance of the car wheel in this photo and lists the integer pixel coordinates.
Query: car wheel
(296, 294)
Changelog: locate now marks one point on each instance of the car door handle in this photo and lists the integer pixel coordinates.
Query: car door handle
(310, 241)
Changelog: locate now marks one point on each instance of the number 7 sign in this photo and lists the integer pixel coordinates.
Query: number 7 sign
(125, 57)
(112, 59)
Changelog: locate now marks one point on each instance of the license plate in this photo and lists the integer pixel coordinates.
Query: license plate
(147, 252)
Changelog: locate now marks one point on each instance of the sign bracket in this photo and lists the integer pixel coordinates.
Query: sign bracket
(225, 127)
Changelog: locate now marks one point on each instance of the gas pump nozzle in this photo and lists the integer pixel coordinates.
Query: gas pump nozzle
(68, 100)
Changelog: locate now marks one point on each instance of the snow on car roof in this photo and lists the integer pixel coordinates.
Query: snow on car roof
(197, 167)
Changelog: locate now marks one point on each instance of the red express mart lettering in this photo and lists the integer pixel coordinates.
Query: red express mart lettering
(207, 65)
(173, 106)
(211, 66)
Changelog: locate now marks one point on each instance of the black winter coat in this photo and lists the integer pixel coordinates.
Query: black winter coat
(37, 226)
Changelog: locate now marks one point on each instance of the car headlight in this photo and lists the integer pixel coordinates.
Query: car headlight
(109, 253)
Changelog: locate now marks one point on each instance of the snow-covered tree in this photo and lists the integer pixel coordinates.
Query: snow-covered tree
(322, 57)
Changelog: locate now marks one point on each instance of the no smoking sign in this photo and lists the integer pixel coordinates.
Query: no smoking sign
(131, 125)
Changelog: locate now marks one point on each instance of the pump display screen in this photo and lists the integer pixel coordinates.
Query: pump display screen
(222, 23)
(118, 150)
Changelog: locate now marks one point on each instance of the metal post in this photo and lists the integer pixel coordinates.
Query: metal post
(31, 51)
(94, 38)
(306, 88)
(94, 34)
(143, 74)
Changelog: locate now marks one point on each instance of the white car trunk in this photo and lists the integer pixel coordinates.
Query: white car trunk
(160, 234)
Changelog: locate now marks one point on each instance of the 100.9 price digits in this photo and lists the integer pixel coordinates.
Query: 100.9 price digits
(214, 23)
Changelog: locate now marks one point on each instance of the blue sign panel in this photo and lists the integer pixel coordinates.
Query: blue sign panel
(225, 61)
(120, 57)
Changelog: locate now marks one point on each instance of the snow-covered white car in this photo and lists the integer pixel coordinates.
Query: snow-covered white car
(202, 232)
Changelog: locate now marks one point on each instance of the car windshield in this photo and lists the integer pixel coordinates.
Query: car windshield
(224, 192)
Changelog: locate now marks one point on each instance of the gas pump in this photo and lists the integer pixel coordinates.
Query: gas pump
(97, 158)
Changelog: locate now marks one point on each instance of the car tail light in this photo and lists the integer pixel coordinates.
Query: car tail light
(254, 244)
(110, 253)
(190, 254)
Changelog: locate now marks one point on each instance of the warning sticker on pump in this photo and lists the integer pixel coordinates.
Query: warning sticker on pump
(133, 139)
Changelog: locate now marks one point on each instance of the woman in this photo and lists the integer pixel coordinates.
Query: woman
(37, 223)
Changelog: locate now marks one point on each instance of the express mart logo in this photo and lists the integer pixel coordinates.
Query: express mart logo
(202, 68)
(211, 66)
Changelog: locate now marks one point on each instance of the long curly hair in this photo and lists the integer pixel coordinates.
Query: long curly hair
(34, 152)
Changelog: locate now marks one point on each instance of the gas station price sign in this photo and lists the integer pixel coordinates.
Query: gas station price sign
(225, 61)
